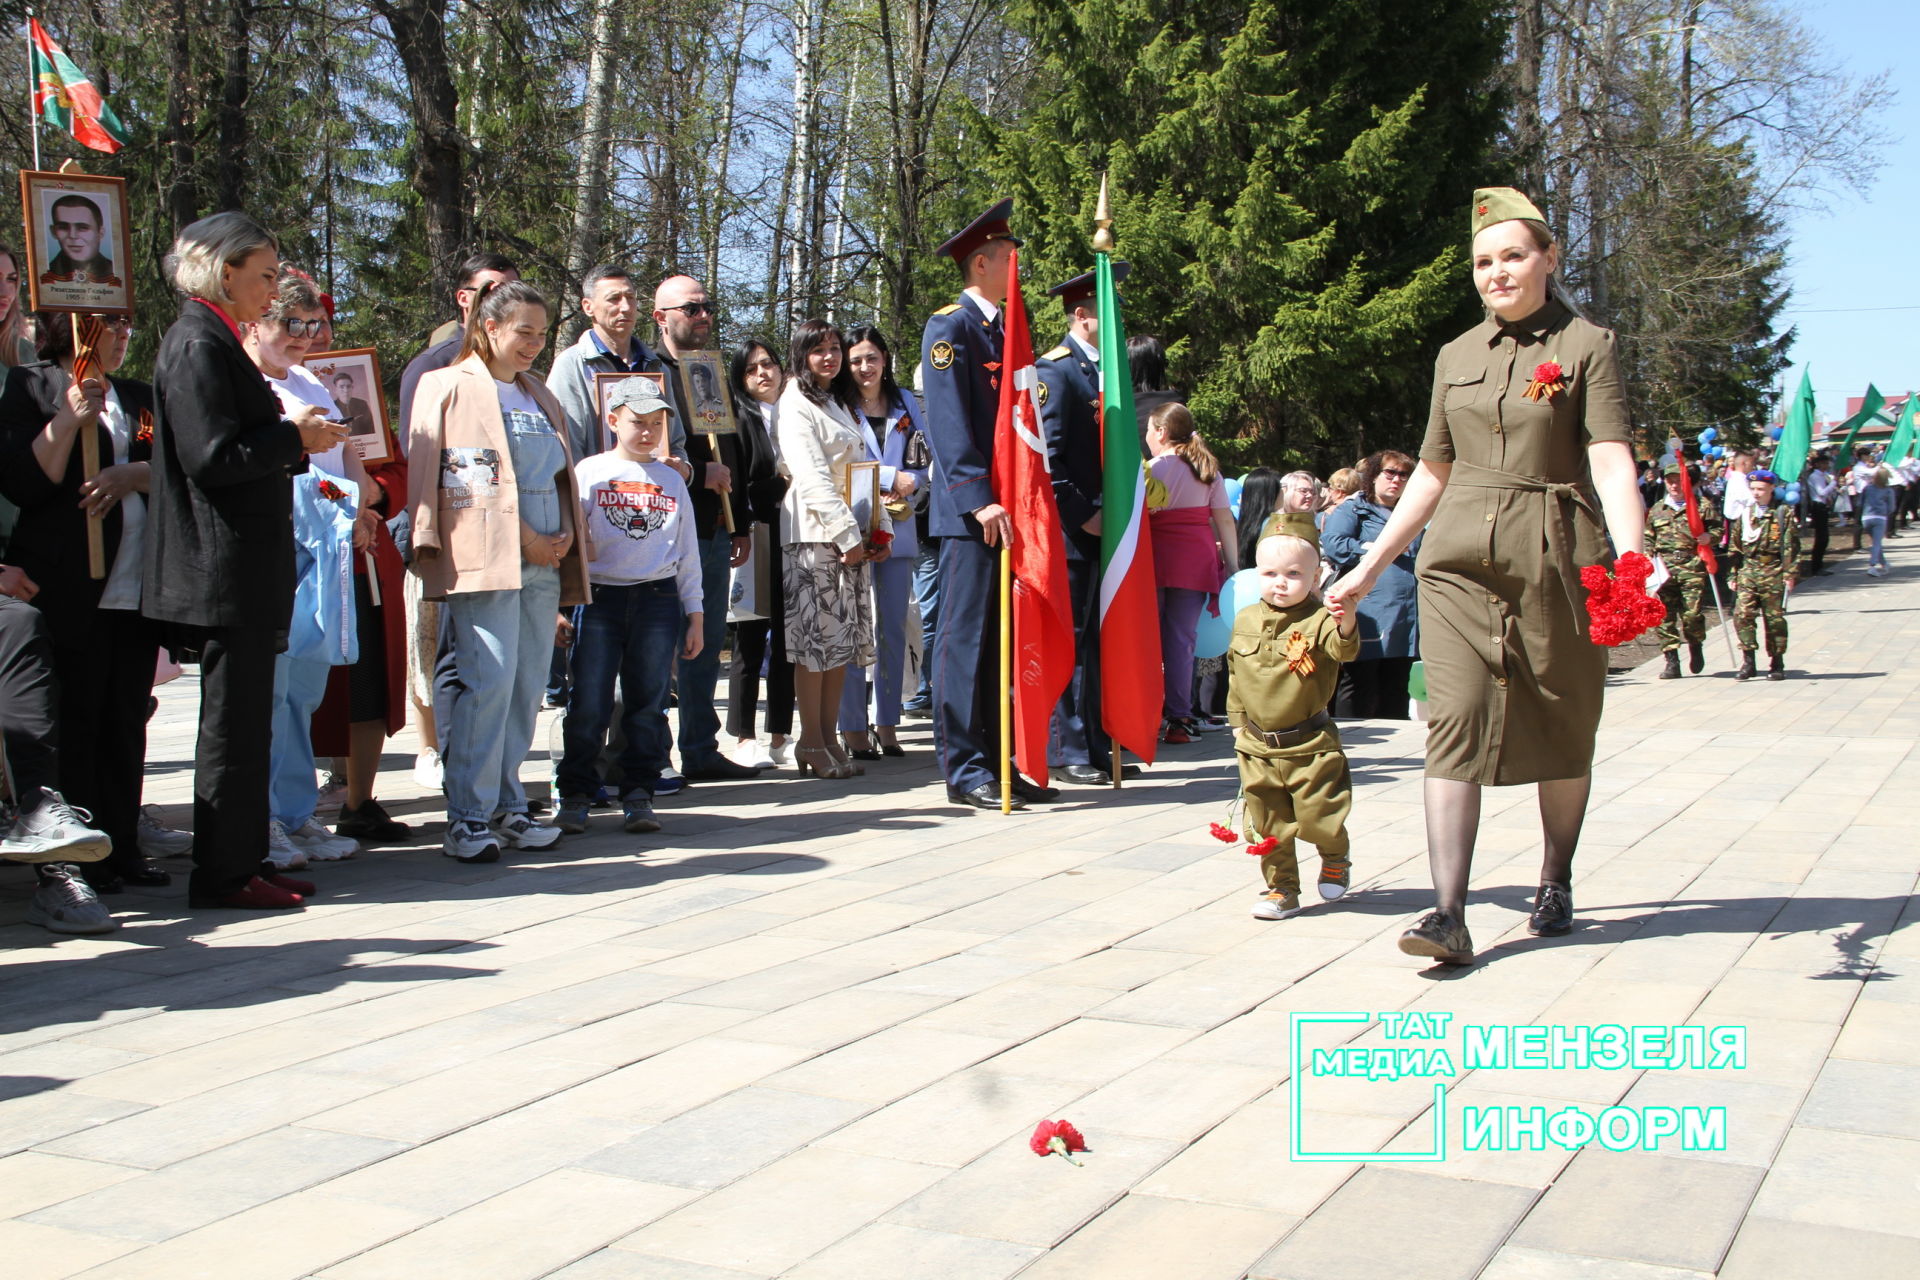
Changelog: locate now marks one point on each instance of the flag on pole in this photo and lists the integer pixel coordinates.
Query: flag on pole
(1796, 434)
(1677, 453)
(1042, 617)
(1130, 679)
(1902, 443)
(65, 98)
(1869, 406)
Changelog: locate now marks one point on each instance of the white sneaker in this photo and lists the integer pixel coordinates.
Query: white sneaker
(754, 754)
(470, 842)
(282, 853)
(781, 756)
(518, 831)
(157, 840)
(428, 773)
(1276, 906)
(320, 844)
(333, 792)
(65, 903)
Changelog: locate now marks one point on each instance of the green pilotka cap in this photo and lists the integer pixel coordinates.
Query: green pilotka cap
(1493, 205)
(1292, 524)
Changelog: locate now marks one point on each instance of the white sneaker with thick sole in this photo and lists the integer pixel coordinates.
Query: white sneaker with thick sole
(158, 840)
(320, 844)
(470, 842)
(282, 853)
(46, 829)
(518, 831)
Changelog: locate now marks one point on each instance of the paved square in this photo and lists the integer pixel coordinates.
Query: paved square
(806, 1029)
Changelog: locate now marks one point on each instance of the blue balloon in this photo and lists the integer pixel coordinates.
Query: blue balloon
(1774, 433)
(1709, 434)
(1239, 591)
(1233, 487)
(1791, 495)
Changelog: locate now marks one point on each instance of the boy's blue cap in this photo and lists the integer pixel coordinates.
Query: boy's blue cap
(1763, 474)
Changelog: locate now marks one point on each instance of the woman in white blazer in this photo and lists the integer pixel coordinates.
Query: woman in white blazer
(826, 585)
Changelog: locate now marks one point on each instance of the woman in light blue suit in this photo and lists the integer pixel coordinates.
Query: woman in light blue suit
(896, 440)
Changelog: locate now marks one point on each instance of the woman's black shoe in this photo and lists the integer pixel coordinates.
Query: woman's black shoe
(147, 875)
(1552, 911)
(371, 822)
(892, 749)
(1440, 937)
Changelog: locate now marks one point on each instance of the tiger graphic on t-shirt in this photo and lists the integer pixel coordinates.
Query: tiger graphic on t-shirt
(635, 507)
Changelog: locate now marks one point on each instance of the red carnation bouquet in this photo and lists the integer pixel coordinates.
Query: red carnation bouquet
(1227, 833)
(878, 539)
(1618, 606)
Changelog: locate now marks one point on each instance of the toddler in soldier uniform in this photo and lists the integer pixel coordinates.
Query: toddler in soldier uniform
(1283, 663)
(1766, 538)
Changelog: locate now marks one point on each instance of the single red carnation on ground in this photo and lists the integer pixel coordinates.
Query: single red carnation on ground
(1057, 1137)
(1225, 835)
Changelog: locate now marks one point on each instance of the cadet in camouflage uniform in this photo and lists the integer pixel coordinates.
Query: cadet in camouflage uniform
(1686, 591)
(1283, 663)
(1766, 538)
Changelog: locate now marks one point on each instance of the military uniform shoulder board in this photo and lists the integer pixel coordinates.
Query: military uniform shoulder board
(1058, 353)
(948, 310)
(941, 355)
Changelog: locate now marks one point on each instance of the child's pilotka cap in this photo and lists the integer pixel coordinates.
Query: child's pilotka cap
(642, 395)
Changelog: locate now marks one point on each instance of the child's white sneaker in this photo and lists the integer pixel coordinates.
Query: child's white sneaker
(1334, 880)
(1276, 906)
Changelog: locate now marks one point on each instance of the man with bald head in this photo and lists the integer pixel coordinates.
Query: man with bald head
(683, 315)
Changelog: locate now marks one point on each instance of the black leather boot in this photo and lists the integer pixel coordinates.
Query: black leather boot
(1746, 671)
(1696, 660)
(1672, 670)
(1777, 669)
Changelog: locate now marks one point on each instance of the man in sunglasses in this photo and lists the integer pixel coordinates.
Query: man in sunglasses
(683, 317)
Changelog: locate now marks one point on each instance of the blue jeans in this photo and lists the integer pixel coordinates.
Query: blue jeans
(926, 590)
(699, 719)
(891, 580)
(629, 634)
(298, 688)
(1877, 530)
(503, 645)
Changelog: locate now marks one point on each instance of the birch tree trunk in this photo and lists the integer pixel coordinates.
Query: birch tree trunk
(807, 16)
(591, 178)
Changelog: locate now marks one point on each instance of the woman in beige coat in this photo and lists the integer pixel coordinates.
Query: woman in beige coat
(490, 485)
(827, 587)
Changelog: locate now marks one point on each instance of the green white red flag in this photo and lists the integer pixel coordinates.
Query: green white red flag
(66, 99)
(1042, 617)
(1130, 679)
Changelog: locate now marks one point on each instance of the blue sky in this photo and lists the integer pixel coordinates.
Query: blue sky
(1864, 252)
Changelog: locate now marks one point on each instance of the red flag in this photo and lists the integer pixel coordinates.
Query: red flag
(1695, 525)
(1042, 620)
(66, 99)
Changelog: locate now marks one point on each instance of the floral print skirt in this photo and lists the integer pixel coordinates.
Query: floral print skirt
(829, 608)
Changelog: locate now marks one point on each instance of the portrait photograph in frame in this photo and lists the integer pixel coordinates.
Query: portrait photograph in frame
(79, 247)
(603, 384)
(860, 490)
(352, 378)
(703, 375)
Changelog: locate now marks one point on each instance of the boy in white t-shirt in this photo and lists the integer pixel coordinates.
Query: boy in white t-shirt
(644, 563)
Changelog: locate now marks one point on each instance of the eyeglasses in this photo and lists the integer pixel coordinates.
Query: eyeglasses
(1397, 475)
(691, 309)
(302, 328)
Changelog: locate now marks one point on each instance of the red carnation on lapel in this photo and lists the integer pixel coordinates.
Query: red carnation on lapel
(331, 491)
(1549, 380)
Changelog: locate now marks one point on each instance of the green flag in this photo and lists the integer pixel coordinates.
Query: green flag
(1902, 443)
(1869, 406)
(1796, 436)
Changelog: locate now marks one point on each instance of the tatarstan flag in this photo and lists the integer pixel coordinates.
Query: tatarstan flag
(1130, 680)
(65, 98)
(1042, 617)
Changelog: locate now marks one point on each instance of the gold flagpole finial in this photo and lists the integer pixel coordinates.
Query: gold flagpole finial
(1102, 221)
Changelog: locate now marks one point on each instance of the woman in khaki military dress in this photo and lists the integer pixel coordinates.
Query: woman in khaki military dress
(1525, 471)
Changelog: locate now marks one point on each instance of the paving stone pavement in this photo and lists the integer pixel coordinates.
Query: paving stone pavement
(807, 1029)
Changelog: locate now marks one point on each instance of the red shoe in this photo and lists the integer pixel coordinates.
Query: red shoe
(1176, 733)
(255, 895)
(305, 888)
